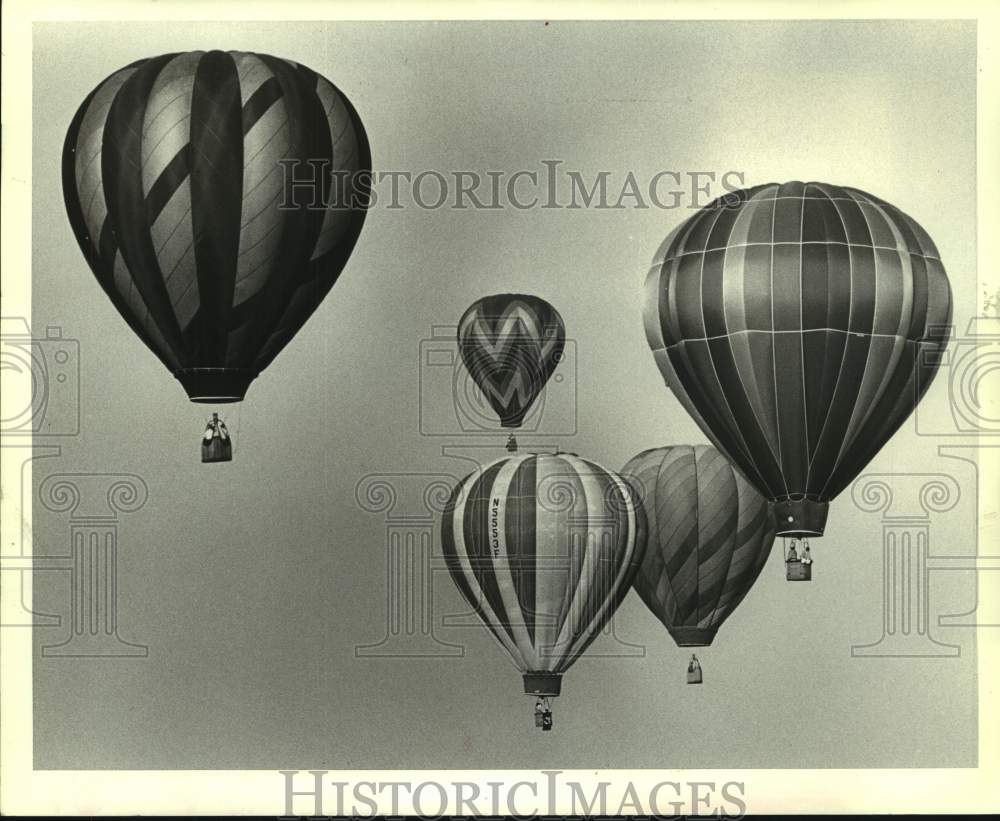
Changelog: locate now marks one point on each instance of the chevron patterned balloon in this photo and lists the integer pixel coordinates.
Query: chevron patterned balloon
(216, 197)
(709, 534)
(511, 344)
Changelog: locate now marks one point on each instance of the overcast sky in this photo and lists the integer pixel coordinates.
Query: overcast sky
(252, 582)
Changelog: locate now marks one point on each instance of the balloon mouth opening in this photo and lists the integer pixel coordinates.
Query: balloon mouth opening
(542, 684)
(692, 636)
(800, 518)
(215, 385)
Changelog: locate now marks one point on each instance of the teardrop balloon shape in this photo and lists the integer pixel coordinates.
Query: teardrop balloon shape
(544, 548)
(216, 197)
(799, 324)
(511, 345)
(708, 534)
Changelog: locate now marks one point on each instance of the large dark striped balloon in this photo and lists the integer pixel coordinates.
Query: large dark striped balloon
(178, 179)
(799, 324)
(511, 344)
(544, 547)
(709, 534)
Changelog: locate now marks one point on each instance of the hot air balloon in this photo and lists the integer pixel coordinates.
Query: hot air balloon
(544, 548)
(511, 344)
(708, 534)
(799, 324)
(216, 197)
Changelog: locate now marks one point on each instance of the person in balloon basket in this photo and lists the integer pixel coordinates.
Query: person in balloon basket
(543, 714)
(694, 670)
(798, 568)
(216, 445)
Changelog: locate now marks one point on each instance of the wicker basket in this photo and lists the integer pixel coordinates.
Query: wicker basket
(797, 571)
(216, 449)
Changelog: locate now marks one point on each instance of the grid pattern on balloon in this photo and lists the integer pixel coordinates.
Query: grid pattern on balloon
(799, 312)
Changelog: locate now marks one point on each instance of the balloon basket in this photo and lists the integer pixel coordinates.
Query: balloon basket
(694, 671)
(545, 686)
(216, 451)
(216, 445)
(511, 444)
(797, 571)
(543, 714)
(798, 567)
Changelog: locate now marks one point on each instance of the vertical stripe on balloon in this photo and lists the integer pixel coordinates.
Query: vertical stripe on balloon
(788, 319)
(121, 158)
(216, 193)
(543, 548)
(173, 179)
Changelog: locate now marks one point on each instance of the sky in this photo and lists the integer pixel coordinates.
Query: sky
(253, 583)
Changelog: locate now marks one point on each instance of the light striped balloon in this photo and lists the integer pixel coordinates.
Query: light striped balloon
(799, 324)
(544, 547)
(216, 196)
(709, 534)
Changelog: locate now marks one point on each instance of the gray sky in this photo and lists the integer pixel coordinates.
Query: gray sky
(251, 583)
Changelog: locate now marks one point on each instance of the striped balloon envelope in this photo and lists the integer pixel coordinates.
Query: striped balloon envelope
(216, 196)
(709, 533)
(799, 324)
(544, 548)
(511, 344)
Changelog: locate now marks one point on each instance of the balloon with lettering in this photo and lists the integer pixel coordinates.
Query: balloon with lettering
(544, 548)
(799, 324)
(216, 197)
